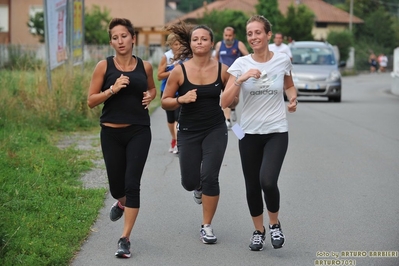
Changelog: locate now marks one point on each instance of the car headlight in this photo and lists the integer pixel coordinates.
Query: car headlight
(334, 75)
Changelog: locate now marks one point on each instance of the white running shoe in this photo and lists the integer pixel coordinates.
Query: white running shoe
(206, 234)
(197, 195)
(233, 115)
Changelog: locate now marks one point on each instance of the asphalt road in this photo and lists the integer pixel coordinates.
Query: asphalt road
(339, 193)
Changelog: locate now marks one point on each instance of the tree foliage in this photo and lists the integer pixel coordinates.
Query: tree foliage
(218, 20)
(36, 26)
(190, 5)
(343, 40)
(96, 25)
(298, 23)
(269, 9)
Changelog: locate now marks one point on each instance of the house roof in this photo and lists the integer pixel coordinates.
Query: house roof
(324, 12)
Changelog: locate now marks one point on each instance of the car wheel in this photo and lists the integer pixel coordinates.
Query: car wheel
(336, 99)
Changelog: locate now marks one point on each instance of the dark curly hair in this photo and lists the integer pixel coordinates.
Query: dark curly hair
(123, 22)
(183, 34)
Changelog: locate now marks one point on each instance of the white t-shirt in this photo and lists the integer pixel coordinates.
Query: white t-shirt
(263, 110)
(282, 48)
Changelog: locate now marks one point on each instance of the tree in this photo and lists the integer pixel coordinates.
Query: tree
(298, 23)
(190, 5)
(343, 40)
(96, 25)
(269, 9)
(218, 20)
(36, 26)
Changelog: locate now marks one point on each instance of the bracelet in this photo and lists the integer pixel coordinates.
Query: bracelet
(112, 91)
(236, 83)
(177, 100)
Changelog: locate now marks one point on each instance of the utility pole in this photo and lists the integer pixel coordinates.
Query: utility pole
(350, 15)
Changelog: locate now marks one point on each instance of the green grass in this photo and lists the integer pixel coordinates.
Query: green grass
(46, 212)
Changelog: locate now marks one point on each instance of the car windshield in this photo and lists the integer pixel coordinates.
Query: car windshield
(312, 56)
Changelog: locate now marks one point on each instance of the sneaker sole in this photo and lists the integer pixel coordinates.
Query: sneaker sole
(123, 255)
(211, 241)
(256, 249)
(277, 247)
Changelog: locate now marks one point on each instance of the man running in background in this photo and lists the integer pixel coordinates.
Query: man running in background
(226, 52)
(279, 46)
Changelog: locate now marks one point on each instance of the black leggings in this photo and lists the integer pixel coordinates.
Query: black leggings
(125, 152)
(261, 158)
(201, 156)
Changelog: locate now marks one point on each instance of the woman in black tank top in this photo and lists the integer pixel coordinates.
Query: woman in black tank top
(125, 86)
(202, 131)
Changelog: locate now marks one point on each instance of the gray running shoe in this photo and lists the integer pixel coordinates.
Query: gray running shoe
(257, 240)
(277, 236)
(197, 195)
(116, 212)
(206, 234)
(233, 115)
(123, 248)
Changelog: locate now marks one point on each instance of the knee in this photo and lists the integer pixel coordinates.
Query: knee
(189, 186)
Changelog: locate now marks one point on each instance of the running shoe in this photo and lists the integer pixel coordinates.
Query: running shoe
(257, 240)
(233, 115)
(277, 236)
(206, 234)
(175, 150)
(172, 145)
(123, 248)
(116, 212)
(197, 195)
(228, 124)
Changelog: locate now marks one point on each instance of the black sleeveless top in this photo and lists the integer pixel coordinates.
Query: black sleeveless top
(125, 107)
(206, 111)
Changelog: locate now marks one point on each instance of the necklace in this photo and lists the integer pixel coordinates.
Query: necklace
(121, 68)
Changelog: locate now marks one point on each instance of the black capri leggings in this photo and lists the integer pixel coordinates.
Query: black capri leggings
(201, 155)
(125, 152)
(261, 158)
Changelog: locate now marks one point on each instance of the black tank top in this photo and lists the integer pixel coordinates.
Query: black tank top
(125, 107)
(205, 112)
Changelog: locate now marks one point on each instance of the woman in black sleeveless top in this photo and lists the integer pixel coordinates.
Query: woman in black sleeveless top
(202, 131)
(125, 86)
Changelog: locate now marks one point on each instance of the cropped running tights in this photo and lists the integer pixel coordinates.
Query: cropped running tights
(261, 158)
(125, 152)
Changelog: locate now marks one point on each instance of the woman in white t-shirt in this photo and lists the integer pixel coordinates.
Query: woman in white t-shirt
(262, 77)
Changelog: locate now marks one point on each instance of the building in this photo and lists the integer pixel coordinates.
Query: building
(327, 17)
(148, 17)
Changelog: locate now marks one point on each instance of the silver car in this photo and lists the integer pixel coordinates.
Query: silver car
(315, 70)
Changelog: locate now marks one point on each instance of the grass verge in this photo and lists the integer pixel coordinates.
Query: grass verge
(46, 212)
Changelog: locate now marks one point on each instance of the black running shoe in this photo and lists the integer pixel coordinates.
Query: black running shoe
(116, 212)
(123, 248)
(277, 236)
(257, 240)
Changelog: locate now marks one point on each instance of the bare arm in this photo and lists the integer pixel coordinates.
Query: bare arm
(290, 91)
(168, 100)
(217, 49)
(95, 96)
(243, 49)
(162, 73)
(151, 92)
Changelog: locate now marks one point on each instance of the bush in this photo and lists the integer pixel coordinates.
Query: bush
(343, 40)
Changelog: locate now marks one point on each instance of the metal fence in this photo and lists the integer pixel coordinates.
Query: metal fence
(92, 53)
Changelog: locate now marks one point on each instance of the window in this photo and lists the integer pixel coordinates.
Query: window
(3, 18)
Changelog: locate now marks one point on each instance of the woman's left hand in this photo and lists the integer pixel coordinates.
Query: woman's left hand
(146, 99)
(292, 105)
